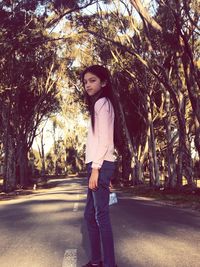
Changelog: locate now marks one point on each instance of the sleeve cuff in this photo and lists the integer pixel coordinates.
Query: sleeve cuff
(96, 165)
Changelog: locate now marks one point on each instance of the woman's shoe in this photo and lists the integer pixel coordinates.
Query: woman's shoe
(89, 264)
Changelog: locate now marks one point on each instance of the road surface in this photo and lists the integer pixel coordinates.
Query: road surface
(47, 230)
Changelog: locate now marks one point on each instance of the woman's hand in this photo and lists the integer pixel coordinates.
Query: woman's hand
(93, 181)
(110, 186)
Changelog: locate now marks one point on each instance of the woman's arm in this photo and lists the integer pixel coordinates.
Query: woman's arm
(104, 123)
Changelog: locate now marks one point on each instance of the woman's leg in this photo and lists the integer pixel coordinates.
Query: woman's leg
(93, 229)
(101, 206)
(103, 220)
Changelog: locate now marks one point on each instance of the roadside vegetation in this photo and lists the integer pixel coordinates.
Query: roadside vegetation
(152, 51)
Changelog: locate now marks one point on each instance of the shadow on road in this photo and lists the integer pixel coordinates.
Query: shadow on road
(47, 218)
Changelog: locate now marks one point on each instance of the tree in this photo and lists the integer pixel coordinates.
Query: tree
(120, 38)
(28, 86)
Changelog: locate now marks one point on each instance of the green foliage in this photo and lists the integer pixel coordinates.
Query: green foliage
(146, 59)
(28, 80)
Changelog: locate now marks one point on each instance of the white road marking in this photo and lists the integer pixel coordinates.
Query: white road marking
(70, 258)
(76, 204)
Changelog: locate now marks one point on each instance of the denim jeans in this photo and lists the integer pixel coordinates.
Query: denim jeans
(97, 216)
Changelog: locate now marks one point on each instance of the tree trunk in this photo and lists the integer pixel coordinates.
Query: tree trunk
(139, 178)
(9, 171)
(179, 103)
(42, 153)
(153, 161)
(184, 159)
(151, 167)
(127, 153)
(22, 159)
(138, 174)
(194, 98)
(9, 166)
(171, 167)
(197, 136)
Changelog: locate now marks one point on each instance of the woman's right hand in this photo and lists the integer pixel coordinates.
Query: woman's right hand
(93, 181)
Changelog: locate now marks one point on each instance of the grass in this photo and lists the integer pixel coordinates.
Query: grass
(172, 197)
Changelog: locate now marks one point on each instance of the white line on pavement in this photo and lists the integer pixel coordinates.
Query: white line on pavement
(76, 204)
(70, 258)
(75, 207)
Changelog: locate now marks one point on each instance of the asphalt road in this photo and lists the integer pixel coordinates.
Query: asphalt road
(47, 230)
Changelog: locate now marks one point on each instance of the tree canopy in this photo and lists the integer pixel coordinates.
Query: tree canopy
(152, 52)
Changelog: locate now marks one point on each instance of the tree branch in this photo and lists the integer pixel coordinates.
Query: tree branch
(144, 14)
(57, 20)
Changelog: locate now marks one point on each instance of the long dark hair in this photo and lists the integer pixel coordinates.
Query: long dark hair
(107, 91)
(103, 74)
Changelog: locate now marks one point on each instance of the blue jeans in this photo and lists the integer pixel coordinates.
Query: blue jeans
(97, 216)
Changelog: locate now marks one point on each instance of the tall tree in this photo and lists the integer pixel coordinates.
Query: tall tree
(28, 85)
(120, 39)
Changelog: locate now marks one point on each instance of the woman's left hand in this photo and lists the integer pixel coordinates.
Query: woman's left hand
(93, 181)
(110, 186)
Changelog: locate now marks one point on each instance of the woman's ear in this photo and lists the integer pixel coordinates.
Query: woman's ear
(104, 83)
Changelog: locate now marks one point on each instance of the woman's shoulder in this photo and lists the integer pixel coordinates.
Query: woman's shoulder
(102, 103)
(101, 100)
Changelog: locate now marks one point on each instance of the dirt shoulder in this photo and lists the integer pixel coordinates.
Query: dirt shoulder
(185, 199)
(41, 187)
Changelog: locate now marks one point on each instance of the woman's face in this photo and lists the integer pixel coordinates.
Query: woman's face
(92, 83)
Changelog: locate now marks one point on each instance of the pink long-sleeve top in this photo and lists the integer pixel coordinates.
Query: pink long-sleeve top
(100, 144)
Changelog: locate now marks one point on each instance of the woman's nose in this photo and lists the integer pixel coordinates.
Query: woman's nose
(87, 86)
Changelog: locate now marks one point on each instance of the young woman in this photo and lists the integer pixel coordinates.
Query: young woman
(100, 164)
